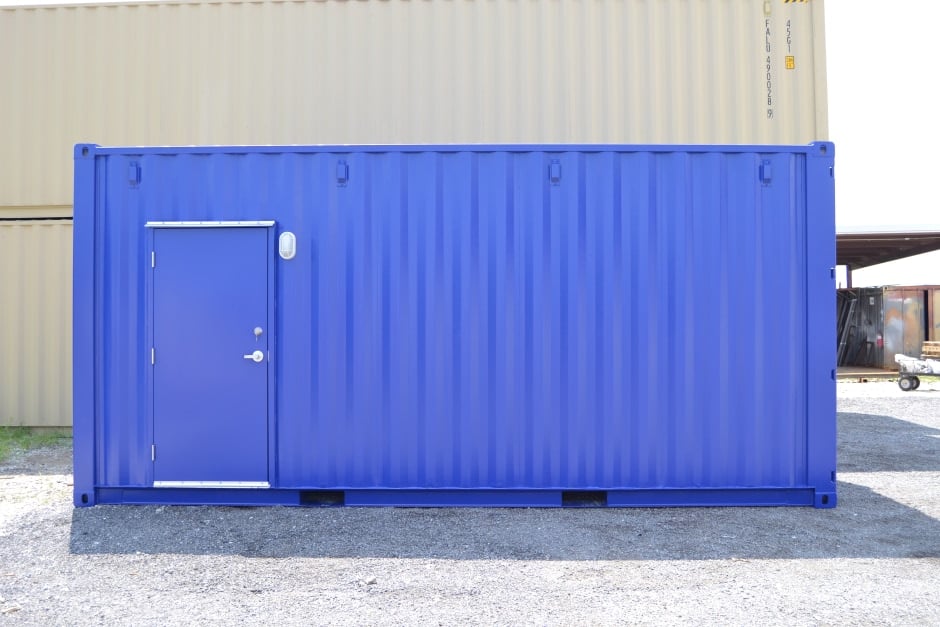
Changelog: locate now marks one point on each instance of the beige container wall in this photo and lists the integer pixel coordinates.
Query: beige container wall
(429, 71)
(363, 71)
(35, 323)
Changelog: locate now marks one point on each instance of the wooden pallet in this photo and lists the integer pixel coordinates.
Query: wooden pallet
(930, 350)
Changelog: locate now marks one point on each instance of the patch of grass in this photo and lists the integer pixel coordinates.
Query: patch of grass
(26, 438)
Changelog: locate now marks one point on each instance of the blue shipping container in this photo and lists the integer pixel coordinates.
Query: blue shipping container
(455, 325)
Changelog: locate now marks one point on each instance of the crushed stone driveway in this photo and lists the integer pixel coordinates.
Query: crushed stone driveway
(873, 559)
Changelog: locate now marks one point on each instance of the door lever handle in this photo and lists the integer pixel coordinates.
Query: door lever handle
(256, 357)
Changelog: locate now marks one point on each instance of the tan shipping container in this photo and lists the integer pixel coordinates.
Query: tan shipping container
(36, 323)
(400, 71)
(362, 72)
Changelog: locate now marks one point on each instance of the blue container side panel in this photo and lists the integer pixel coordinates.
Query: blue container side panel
(478, 315)
(124, 436)
(626, 318)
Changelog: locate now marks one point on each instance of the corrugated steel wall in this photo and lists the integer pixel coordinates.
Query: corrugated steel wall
(456, 318)
(888, 321)
(934, 328)
(35, 322)
(866, 342)
(905, 322)
(443, 71)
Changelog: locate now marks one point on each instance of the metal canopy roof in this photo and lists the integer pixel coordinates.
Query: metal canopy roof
(862, 249)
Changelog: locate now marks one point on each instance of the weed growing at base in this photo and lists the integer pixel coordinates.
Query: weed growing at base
(26, 438)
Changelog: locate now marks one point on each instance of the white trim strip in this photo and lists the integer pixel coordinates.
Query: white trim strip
(211, 484)
(190, 224)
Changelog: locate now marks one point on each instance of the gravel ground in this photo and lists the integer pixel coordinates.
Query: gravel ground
(874, 559)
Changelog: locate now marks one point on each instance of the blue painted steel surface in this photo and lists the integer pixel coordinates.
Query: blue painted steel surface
(209, 293)
(697, 497)
(85, 351)
(652, 322)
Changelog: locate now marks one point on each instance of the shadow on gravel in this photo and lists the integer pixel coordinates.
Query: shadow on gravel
(865, 525)
(872, 443)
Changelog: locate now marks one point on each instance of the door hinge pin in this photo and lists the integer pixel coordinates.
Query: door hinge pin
(152, 357)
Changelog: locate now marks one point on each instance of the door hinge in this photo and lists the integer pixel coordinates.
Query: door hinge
(153, 259)
(153, 452)
(152, 357)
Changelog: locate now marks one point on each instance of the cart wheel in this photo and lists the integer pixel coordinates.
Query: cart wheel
(906, 384)
(916, 382)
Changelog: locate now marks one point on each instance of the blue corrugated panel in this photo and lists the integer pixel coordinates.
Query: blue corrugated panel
(650, 323)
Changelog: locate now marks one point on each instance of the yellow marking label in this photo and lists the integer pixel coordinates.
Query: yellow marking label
(790, 62)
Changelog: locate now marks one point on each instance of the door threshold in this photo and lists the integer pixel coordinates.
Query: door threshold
(211, 484)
